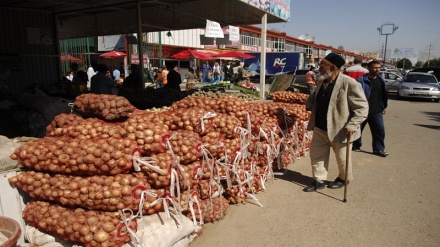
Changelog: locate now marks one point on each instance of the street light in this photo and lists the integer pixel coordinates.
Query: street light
(386, 29)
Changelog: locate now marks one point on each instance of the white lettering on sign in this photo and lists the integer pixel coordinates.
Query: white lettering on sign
(279, 62)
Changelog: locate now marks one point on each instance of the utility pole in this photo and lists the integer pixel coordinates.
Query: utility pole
(429, 52)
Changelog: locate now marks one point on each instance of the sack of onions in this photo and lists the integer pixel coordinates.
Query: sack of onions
(103, 106)
(159, 168)
(90, 128)
(189, 102)
(213, 142)
(207, 188)
(194, 119)
(67, 155)
(147, 131)
(183, 143)
(211, 209)
(88, 227)
(107, 193)
(289, 97)
(62, 120)
(234, 195)
(226, 125)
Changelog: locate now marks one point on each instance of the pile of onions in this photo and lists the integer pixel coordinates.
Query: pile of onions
(109, 156)
(107, 193)
(89, 128)
(147, 131)
(103, 106)
(211, 209)
(289, 97)
(226, 124)
(91, 228)
(62, 120)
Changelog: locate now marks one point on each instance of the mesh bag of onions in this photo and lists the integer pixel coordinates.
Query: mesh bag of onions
(289, 97)
(109, 156)
(211, 209)
(91, 228)
(89, 128)
(62, 120)
(103, 106)
(107, 193)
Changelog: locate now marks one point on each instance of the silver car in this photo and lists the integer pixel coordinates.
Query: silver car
(419, 85)
(392, 80)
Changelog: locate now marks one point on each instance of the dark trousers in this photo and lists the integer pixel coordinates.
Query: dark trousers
(375, 121)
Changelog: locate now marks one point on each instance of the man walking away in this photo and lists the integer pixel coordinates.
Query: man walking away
(377, 96)
(356, 70)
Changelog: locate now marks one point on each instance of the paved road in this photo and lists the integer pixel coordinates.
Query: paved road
(393, 201)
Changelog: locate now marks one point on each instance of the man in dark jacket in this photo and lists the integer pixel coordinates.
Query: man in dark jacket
(101, 83)
(174, 79)
(377, 96)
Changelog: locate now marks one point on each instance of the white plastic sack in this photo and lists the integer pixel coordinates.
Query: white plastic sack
(7, 147)
(37, 238)
(158, 231)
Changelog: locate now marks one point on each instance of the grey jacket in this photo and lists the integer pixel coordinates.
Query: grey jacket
(348, 108)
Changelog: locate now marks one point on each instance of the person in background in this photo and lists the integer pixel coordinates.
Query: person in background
(338, 108)
(134, 80)
(158, 78)
(311, 79)
(206, 68)
(116, 74)
(243, 73)
(70, 76)
(174, 79)
(90, 72)
(164, 75)
(377, 96)
(102, 83)
(229, 71)
(365, 66)
(216, 70)
(356, 70)
(189, 76)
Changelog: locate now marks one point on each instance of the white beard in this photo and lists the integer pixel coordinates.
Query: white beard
(325, 76)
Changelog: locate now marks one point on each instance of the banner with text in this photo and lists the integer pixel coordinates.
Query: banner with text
(213, 30)
(234, 33)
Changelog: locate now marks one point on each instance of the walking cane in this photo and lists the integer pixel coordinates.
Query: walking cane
(347, 157)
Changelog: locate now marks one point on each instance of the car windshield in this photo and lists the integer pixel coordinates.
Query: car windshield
(420, 78)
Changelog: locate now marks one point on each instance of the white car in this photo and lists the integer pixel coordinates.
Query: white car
(419, 85)
(392, 80)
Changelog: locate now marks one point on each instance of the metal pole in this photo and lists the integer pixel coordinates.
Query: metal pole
(160, 48)
(385, 51)
(263, 57)
(140, 43)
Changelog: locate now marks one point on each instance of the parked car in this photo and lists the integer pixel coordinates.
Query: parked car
(431, 70)
(392, 80)
(419, 85)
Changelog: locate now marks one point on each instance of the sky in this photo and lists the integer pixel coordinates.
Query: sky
(353, 24)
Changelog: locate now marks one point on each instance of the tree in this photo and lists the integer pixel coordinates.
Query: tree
(432, 63)
(419, 64)
(404, 63)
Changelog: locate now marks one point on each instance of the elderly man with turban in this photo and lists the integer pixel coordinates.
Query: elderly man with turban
(338, 108)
